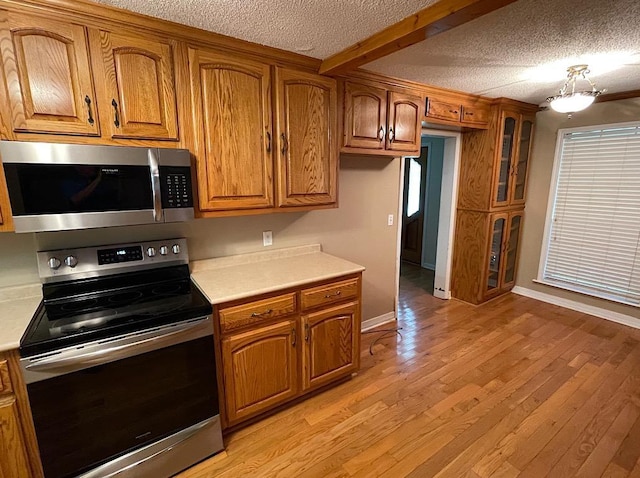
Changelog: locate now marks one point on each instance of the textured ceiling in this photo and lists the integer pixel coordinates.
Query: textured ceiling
(522, 50)
(317, 28)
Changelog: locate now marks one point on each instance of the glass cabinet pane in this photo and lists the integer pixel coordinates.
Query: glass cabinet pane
(506, 152)
(512, 249)
(495, 254)
(523, 159)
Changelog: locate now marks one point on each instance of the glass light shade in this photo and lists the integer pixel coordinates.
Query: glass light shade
(570, 103)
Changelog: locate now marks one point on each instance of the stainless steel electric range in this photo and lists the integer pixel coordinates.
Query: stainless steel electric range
(119, 363)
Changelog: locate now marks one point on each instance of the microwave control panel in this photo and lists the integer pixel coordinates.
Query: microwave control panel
(175, 183)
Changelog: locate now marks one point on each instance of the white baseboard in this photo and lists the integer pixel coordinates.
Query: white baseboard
(375, 321)
(579, 307)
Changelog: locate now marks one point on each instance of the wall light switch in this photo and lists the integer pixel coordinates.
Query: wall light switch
(267, 238)
(390, 220)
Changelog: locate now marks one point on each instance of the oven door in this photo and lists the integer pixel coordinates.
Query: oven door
(144, 404)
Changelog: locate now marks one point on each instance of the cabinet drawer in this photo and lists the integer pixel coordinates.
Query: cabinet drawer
(5, 380)
(257, 311)
(475, 115)
(330, 293)
(442, 110)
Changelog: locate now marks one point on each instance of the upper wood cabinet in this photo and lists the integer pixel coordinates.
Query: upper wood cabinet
(365, 116)
(378, 121)
(306, 125)
(48, 75)
(234, 142)
(456, 111)
(136, 91)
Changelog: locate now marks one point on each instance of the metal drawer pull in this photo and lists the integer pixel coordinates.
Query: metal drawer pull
(285, 144)
(306, 333)
(116, 120)
(453, 111)
(329, 296)
(268, 142)
(260, 314)
(293, 337)
(392, 135)
(87, 100)
(381, 133)
(470, 113)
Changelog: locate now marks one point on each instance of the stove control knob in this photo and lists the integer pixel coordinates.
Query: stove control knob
(54, 263)
(71, 261)
(164, 250)
(151, 251)
(176, 248)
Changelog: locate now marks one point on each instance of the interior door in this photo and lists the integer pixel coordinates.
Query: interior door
(46, 65)
(137, 96)
(365, 116)
(233, 135)
(306, 128)
(415, 180)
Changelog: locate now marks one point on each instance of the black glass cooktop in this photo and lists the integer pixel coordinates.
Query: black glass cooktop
(81, 311)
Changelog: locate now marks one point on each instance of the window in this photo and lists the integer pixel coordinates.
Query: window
(592, 238)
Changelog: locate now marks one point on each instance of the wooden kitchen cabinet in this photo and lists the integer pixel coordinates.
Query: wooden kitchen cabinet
(13, 453)
(234, 140)
(48, 76)
(380, 121)
(260, 369)
(280, 346)
(331, 347)
(136, 87)
(456, 111)
(306, 125)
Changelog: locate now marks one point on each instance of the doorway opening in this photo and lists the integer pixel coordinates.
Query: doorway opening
(428, 196)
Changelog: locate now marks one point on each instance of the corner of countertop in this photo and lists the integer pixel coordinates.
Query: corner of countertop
(252, 257)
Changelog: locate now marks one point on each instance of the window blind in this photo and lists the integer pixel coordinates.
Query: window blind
(594, 237)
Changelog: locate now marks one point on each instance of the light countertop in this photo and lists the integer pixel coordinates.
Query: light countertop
(17, 306)
(237, 277)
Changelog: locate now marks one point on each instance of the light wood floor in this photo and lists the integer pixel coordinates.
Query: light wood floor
(513, 388)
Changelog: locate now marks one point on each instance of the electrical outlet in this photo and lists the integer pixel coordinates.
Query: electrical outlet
(390, 220)
(267, 238)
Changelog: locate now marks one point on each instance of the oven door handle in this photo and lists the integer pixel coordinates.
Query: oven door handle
(103, 352)
(155, 185)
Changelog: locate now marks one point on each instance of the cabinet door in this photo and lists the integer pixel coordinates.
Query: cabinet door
(503, 167)
(46, 65)
(13, 453)
(514, 228)
(232, 121)
(496, 253)
(521, 161)
(405, 122)
(136, 93)
(365, 116)
(306, 119)
(331, 341)
(442, 110)
(260, 369)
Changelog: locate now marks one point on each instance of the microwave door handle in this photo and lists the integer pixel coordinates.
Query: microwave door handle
(155, 185)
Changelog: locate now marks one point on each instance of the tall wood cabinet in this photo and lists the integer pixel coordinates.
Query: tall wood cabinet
(285, 345)
(252, 119)
(377, 120)
(491, 201)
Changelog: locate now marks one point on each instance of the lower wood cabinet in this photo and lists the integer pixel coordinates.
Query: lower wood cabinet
(260, 368)
(275, 348)
(13, 452)
(330, 345)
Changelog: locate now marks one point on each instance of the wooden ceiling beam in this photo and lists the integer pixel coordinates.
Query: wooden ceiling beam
(437, 18)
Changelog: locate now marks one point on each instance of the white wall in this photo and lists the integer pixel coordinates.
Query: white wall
(356, 231)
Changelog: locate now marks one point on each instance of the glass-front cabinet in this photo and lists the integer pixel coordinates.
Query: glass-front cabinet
(512, 159)
(502, 258)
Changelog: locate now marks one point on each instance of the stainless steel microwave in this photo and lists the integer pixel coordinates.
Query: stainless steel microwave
(58, 187)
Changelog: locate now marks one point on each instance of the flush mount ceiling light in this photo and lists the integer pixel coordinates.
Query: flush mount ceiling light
(569, 100)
